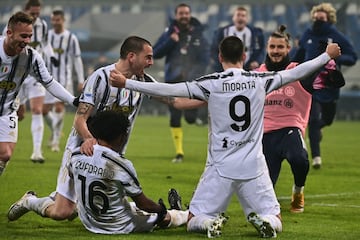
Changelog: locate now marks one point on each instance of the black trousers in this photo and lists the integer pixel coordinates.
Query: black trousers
(321, 115)
(286, 143)
(175, 116)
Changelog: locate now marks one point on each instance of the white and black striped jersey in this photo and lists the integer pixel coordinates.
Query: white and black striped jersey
(102, 183)
(39, 38)
(236, 108)
(14, 70)
(98, 92)
(67, 51)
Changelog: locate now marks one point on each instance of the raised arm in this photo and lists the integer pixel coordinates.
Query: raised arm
(308, 67)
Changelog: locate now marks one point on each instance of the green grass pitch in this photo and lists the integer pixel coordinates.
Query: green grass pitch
(332, 194)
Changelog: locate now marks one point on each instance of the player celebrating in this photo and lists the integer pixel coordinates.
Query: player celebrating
(67, 49)
(103, 196)
(17, 62)
(235, 161)
(31, 89)
(98, 95)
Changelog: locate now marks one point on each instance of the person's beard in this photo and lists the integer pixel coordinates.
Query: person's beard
(277, 66)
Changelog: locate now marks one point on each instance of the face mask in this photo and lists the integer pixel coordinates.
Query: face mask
(317, 25)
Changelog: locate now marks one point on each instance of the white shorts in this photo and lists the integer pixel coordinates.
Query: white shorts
(29, 89)
(213, 194)
(50, 99)
(65, 185)
(9, 128)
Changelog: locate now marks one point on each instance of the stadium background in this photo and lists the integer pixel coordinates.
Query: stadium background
(101, 26)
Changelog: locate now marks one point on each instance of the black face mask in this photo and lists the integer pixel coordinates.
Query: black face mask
(318, 25)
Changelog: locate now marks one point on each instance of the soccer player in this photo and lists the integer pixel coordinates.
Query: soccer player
(186, 53)
(136, 54)
(252, 37)
(17, 62)
(67, 51)
(31, 89)
(323, 105)
(235, 161)
(104, 180)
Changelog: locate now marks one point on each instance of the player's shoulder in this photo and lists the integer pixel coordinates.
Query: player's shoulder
(149, 78)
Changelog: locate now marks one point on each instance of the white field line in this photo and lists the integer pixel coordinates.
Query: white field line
(330, 195)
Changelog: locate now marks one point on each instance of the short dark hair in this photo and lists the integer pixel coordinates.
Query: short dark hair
(32, 3)
(109, 125)
(231, 49)
(58, 13)
(182, 5)
(19, 17)
(133, 44)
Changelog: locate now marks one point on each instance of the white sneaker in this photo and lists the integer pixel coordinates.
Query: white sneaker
(263, 227)
(55, 147)
(18, 209)
(316, 162)
(214, 230)
(37, 158)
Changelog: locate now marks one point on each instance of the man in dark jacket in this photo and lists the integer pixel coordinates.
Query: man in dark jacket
(252, 37)
(186, 53)
(312, 43)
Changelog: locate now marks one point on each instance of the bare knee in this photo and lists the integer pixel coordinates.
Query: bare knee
(6, 151)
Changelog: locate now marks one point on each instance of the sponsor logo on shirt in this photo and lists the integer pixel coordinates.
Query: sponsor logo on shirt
(235, 143)
(7, 85)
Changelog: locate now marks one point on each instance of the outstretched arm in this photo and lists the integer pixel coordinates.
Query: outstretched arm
(308, 67)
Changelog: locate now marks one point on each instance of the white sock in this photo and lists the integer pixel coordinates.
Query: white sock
(199, 223)
(297, 189)
(274, 221)
(49, 118)
(58, 126)
(178, 217)
(38, 205)
(37, 129)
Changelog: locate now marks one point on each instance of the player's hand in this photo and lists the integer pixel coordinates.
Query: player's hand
(117, 79)
(76, 101)
(333, 50)
(87, 147)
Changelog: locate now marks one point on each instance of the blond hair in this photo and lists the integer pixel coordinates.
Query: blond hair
(327, 8)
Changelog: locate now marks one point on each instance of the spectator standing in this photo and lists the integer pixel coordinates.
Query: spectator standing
(186, 53)
(312, 43)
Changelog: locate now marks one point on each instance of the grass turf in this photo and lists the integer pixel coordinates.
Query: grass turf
(332, 205)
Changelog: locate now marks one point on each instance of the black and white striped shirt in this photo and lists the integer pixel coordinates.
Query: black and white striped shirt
(14, 70)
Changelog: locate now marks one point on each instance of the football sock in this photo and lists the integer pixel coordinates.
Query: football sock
(58, 126)
(199, 223)
(38, 205)
(49, 118)
(177, 135)
(178, 217)
(37, 130)
(297, 189)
